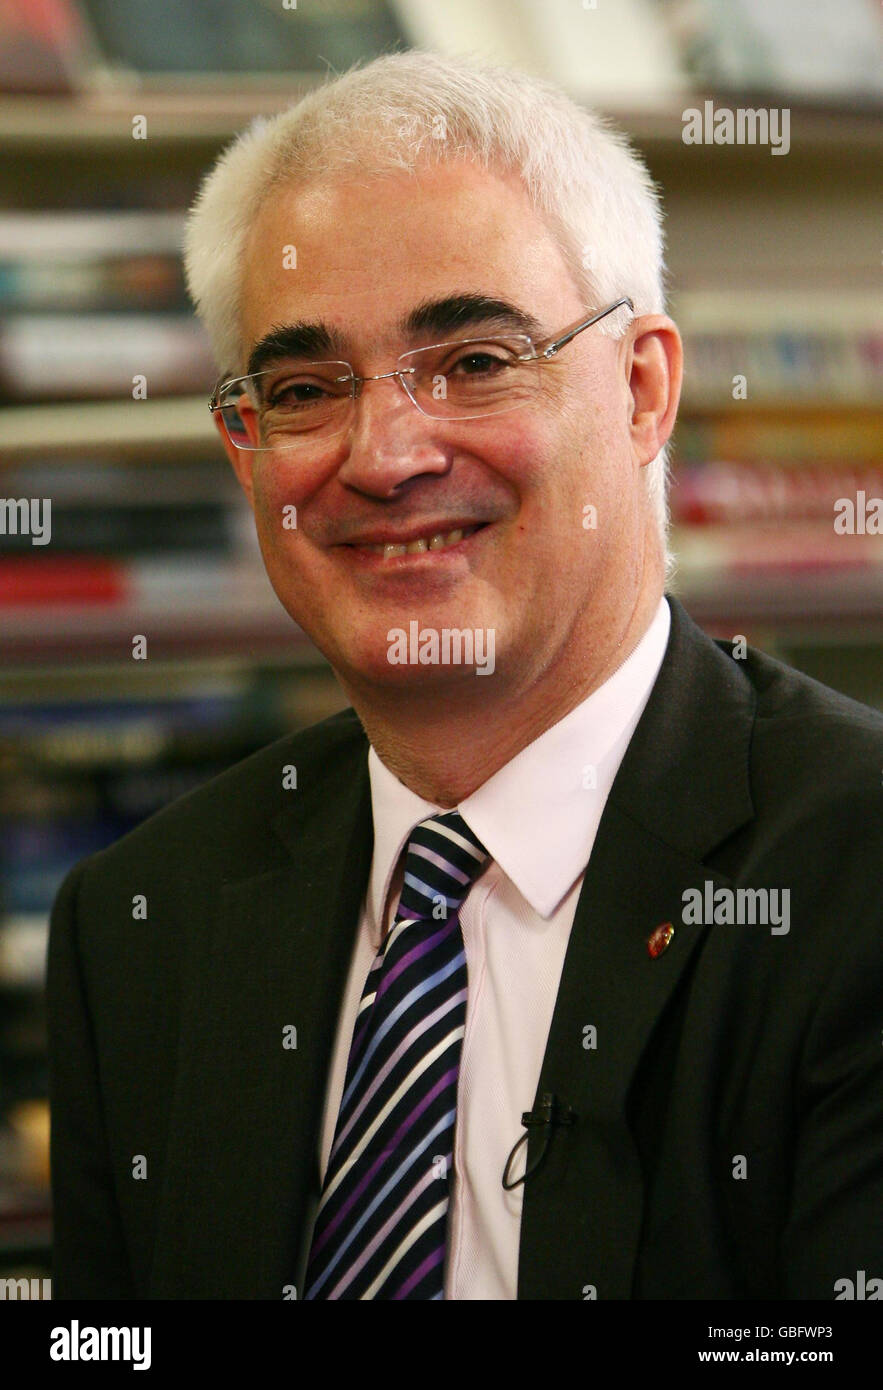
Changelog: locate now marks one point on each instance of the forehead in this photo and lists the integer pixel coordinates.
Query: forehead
(360, 254)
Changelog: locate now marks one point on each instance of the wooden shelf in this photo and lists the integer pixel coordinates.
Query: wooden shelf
(181, 427)
(200, 111)
(175, 426)
(790, 407)
(183, 117)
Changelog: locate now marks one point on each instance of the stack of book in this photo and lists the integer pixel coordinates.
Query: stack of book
(94, 305)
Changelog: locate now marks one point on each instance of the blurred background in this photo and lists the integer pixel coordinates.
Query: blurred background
(775, 265)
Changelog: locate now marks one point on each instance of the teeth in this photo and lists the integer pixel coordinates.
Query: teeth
(439, 541)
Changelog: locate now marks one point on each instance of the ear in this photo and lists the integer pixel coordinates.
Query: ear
(655, 368)
(241, 460)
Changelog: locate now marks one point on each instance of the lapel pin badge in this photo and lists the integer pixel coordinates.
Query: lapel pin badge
(660, 940)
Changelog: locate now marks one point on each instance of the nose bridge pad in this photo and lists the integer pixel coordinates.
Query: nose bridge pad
(405, 380)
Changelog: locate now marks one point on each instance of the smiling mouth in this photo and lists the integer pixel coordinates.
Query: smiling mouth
(432, 541)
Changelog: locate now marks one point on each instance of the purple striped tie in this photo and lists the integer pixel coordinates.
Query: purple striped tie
(381, 1227)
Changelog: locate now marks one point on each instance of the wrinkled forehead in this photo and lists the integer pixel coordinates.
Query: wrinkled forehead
(361, 255)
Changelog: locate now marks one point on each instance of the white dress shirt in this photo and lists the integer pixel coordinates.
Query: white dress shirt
(537, 817)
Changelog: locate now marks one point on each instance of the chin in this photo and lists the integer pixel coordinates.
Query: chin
(389, 666)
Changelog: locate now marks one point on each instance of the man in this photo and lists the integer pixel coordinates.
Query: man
(565, 858)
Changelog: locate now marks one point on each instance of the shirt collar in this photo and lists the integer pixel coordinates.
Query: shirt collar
(537, 816)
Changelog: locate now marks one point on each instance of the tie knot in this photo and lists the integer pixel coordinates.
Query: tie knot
(443, 860)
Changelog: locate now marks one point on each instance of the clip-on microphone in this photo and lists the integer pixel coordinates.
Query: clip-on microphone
(552, 1112)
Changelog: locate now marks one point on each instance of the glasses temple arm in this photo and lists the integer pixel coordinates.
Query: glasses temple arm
(561, 342)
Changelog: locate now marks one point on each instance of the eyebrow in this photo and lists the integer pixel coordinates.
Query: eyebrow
(453, 314)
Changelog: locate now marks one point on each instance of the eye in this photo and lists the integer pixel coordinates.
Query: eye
(484, 361)
(301, 391)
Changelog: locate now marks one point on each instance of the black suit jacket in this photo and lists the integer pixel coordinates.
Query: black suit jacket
(735, 1050)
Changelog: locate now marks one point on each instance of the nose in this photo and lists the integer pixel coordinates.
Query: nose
(391, 441)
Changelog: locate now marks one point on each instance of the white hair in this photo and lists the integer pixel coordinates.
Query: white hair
(406, 109)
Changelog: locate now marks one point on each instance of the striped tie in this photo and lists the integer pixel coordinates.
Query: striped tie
(381, 1227)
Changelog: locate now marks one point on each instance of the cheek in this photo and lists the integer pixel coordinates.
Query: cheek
(281, 495)
(276, 480)
(519, 452)
(269, 515)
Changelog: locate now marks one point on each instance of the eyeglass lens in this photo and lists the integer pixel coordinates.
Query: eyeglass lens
(295, 402)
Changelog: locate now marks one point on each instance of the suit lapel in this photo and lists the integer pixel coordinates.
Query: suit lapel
(242, 1167)
(681, 789)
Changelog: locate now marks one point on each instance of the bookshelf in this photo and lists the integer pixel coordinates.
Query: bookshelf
(159, 429)
(774, 272)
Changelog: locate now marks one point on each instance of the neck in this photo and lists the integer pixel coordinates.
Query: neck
(445, 748)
